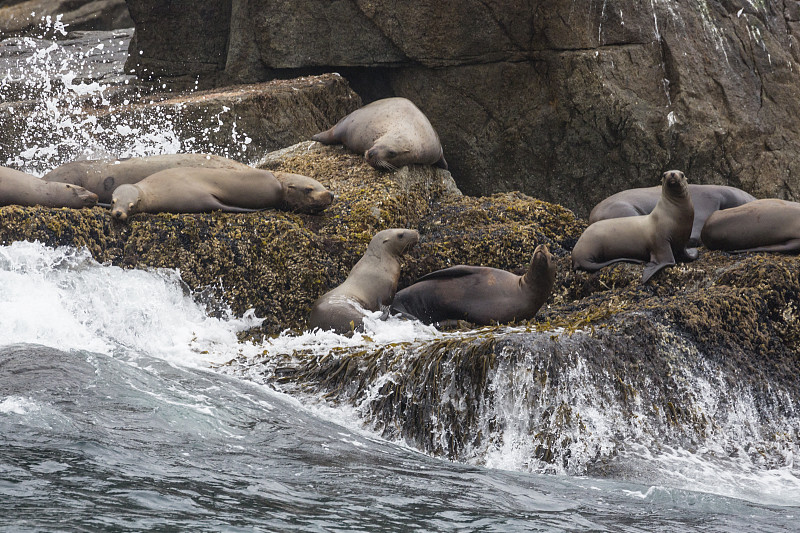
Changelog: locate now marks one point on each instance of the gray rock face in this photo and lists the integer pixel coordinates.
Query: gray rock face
(546, 97)
(25, 16)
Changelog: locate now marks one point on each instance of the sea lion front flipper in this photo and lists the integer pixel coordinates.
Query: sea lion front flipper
(458, 271)
(658, 260)
(234, 209)
(792, 245)
(691, 254)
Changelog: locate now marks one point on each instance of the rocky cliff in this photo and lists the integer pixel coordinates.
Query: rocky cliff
(675, 361)
(542, 97)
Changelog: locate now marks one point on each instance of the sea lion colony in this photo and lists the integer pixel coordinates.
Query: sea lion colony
(654, 226)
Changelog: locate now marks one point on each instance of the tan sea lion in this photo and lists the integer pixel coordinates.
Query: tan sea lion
(196, 190)
(655, 239)
(391, 133)
(102, 176)
(480, 295)
(706, 199)
(370, 286)
(19, 188)
(768, 225)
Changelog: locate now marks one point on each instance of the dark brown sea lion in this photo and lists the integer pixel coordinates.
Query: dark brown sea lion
(19, 188)
(102, 176)
(768, 225)
(655, 239)
(480, 295)
(196, 190)
(706, 199)
(391, 133)
(370, 286)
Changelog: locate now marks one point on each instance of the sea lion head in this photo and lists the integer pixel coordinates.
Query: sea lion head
(303, 194)
(388, 154)
(542, 268)
(124, 201)
(674, 183)
(395, 241)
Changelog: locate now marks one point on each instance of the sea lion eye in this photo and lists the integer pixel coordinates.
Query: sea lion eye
(309, 190)
(391, 153)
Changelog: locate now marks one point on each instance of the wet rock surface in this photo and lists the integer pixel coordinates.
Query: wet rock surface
(545, 98)
(580, 105)
(722, 327)
(24, 17)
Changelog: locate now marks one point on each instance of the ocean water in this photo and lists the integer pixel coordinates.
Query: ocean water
(113, 417)
(119, 412)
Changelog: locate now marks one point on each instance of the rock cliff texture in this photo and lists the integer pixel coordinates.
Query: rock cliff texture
(542, 97)
(241, 122)
(22, 17)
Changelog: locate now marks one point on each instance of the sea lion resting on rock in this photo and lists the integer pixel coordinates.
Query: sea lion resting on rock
(370, 286)
(480, 295)
(102, 176)
(706, 199)
(196, 190)
(655, 239)
(769, 225)
(391, 133)
(19, 188)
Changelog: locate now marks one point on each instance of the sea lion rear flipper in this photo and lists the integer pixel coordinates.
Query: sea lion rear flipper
(325, 137)
(441, 163)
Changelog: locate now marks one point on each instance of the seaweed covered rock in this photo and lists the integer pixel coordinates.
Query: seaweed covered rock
(278, 263)
(610, 366)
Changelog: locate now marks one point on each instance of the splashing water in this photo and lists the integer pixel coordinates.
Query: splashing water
(64, 299)
(70, 99)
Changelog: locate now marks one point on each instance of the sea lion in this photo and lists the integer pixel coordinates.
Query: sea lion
(19, 188)
(370, 286)
(102, 176)
(655, 239)
(196, 190)
(480, 295)
(391, 133)
(768, 225)
(705, 198)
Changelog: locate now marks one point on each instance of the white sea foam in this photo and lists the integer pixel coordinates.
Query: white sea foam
(17, 405)
(64, 299)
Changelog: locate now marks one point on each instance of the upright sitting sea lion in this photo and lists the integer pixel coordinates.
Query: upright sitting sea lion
(706, 199)
(195, 190)
(102, 176)
(655, 239)
(391, 133)
(370, 286)
(768, 225)
(19, 188)
(480, 295)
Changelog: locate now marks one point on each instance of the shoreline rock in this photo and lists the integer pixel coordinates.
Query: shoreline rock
(647, 353)
(544, 100)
